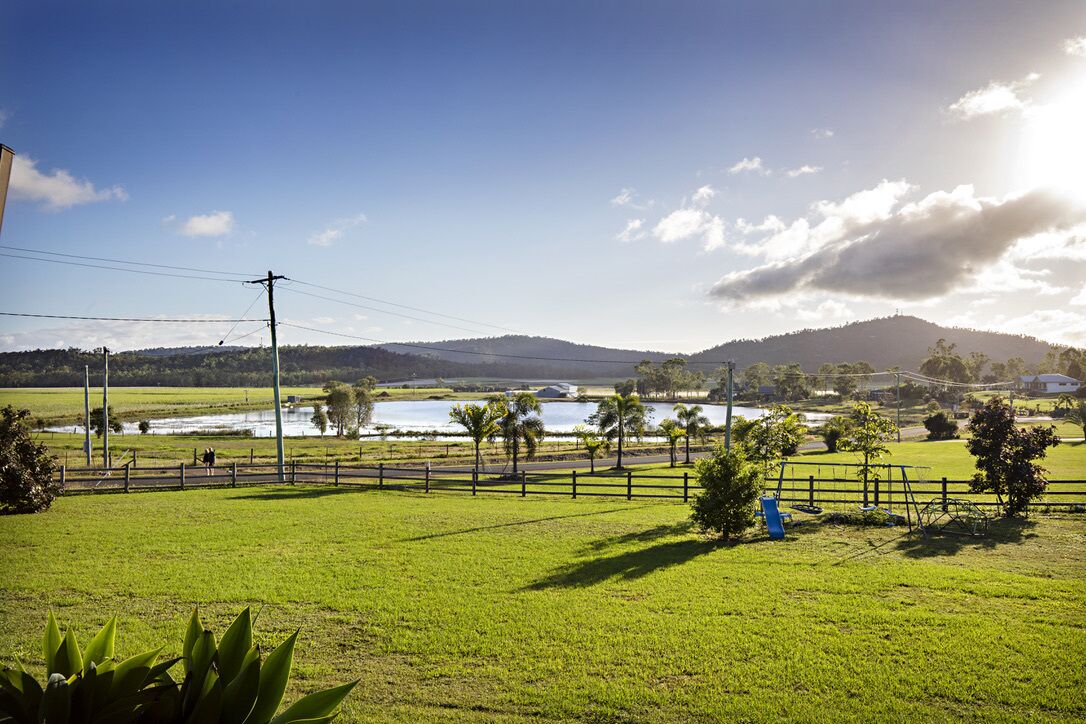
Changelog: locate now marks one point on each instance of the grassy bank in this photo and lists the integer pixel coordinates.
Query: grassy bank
(494, 608)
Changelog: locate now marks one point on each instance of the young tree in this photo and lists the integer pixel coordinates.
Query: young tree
(730, 489)
(791, 382)
(694, 424)
(96, 421)
(944, 362)
(480, 421)
(626, 388)
(26, 470)
(592, 443)
(867, 437)
(1077, 415)
(144, 427)
(769, 438)
(320, 418)
(339, 399)
(673, 432)
(618, 417)
(1005, 456)
(520, 424)
(362, 392)
(832, 430)
(941, 427)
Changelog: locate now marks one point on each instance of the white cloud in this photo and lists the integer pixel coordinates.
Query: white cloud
(634, 230)
(996, 97)
(1075, 46)
(770, 224)
(822, 133)
(802, 171)
(336, 230)
(924, 250)
(1055, 325)
(749, 164)
(704, 195)
(57, 189)
(217, 223)
(687, 223)
(1079, 300)
(826, 311)
(324, 320)
(625, 198)
(712, 234)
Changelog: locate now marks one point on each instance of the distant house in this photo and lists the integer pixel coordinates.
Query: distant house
(293, 398)
(562, 389)
(1048, 384)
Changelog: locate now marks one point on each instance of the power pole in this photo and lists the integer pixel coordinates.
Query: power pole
(728, 417)
(105, 409)
(7, 157)
(269, 284)
(86, 412)
(898, 378)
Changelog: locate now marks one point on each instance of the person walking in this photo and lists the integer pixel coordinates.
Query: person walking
(206, 460)
(211, 461)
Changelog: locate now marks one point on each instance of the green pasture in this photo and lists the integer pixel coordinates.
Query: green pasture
(491, 608)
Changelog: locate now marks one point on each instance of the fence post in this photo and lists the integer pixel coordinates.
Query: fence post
(574, 484)
(293, 471)
(135, 458)
(182, 476)
(686, 487)
(127, 474)
(380, 475)
(427, 476)
(194, 456)
(629, 485)
(63, 475)
(474, 480)
(944, 493)
(876, 492)
(337, 473)
(234, 474)
(810, 490)
(251, 451)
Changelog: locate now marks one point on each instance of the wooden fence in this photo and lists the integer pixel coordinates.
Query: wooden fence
(629, 484)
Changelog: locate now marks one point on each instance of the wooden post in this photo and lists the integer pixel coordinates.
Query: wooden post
(876, 492)
(234, 474)
(337, 473)
(251, 453)
(380, 475)
(523, 483)
(474, 480)
(427, 476)
(182, 476)
(944, 493)
(63, 474)
(686, 487)
(135, 458)
(574, 484)
(194, 456)
(629, 485)
(127, 477)
(293, 471)
(810, 490)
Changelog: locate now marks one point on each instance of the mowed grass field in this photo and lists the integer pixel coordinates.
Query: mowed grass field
(494, 608)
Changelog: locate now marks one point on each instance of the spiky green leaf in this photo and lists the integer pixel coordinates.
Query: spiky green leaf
(192, 635)
(68, 659)
(56, 701)
(273, 681)
(130, 674)
(100, 647)
(240, 694)
(235, 645)
(315, 705)
(50, 643)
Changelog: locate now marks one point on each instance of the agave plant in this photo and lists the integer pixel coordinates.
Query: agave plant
(224, 681)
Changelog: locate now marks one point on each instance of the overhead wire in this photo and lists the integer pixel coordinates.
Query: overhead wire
(130, 319)
(123, 261)
(116, 268)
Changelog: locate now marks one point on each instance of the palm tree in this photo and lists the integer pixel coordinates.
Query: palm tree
(481, 422)
(618, 417)
(520, 422)
(693, 423)
(593, 444)
(672, 431)
(1077, 416)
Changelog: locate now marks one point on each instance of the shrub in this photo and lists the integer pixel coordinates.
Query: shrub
(941, 427)
(731, 486)
(1005, 456)
(144, 427)
(223, 682)
(833, 430)
(26, 467)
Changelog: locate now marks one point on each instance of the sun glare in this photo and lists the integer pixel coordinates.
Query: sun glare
(1055, 142)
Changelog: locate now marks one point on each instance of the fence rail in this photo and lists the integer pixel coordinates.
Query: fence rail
(809, 491)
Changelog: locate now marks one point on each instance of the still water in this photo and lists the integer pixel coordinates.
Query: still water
(406, 415)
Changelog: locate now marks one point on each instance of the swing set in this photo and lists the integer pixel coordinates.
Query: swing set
(868, 488)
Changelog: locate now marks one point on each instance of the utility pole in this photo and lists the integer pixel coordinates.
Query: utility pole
(898, 378)
(7, 157)
(269, 284)
(728, 417)
(105, 409)
(86, 413)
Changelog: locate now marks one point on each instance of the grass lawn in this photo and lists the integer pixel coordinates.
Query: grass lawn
(493, 608)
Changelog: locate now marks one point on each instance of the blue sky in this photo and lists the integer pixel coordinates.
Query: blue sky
(568, 169)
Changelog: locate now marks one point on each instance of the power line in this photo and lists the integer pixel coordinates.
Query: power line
(404, 306)
(129, 319)
(116, 268)
(122, 261)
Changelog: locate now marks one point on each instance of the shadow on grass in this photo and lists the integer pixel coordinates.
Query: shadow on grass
(626, 566)
(299, 493)
(515, 523)
(1001, 531)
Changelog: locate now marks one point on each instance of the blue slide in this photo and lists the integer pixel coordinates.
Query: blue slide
(774, 518)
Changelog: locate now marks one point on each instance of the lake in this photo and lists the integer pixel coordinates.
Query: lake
(406, 415)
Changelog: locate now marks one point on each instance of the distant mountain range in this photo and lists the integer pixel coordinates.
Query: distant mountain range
(899, 340)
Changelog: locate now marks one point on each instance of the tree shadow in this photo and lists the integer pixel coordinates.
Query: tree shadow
(641, 536)
(627, 566)
(299, 493)
(515, 523)
(1001, 531)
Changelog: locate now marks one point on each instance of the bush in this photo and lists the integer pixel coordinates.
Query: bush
(731, 486)
(833, 430)
(1005, 455)
(941, 427)
(224, 682)
(26, 468)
